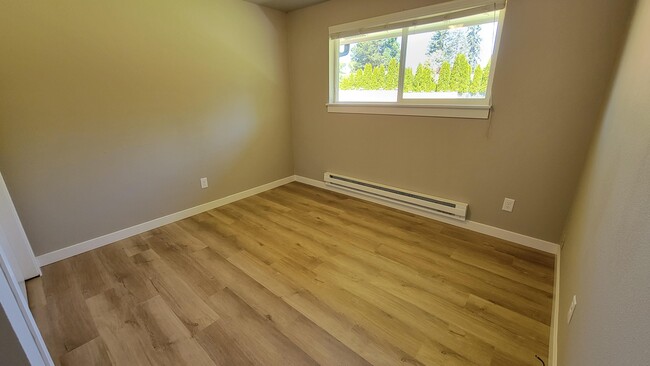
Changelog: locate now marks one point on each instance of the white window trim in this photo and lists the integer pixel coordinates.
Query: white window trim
(452, 108)
(438, 110)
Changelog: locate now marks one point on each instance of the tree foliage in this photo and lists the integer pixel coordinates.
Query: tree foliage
(444, 78)
(461, 74)
(477, 79)
(473, 45)
(376, 53)
(457, 77)
(367, 79)
(445, 44)
(485, 77)
(378, 80)
(392, 75)
(408, 80)
(423, 81)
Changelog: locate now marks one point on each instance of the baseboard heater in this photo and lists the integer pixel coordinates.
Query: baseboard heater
(441, 206)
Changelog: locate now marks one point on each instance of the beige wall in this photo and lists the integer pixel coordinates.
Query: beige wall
(111, 111)
(11, 352)
(606, 259)
(552, 76)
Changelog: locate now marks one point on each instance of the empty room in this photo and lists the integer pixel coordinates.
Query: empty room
(325, 182)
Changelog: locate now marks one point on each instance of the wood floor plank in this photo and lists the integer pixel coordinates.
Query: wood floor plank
(46, 321)
(134, 245)
(263, 274)
(500, 290)
(185, 303)
(125, 338)
(35, 293)
(227, 227)
(313, 340)
(164, 244)
(370, 225)
(91, 353)
(201, 227)
(296, 276)
(221, 347)
(123, 273)
(478, 272)
(73, 325)
(89, 275)
(255, 335)
(528, 254)
(263, 231)
(168, 335)
(450, 344)
(366, 344)
(364, 313)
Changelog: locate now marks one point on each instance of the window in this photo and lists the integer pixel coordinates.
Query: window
(433, 61)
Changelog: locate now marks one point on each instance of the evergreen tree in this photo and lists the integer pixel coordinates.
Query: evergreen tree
(473, 44)
(440, 48)
(460, 74)
(375, 53)
(485, 78)
(378, 78)
(366, 81)
(358, 79)
(445, 44)
(423, 81)
(408, 80)
(444, 78)
(392, 76)
(347, 82)
(477, 79)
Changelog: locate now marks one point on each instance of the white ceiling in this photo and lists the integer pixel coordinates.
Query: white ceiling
(286, 5)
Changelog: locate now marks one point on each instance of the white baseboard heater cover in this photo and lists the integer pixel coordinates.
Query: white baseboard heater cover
(441, 206)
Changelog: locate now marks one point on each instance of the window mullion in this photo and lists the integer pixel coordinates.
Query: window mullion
(402, 66)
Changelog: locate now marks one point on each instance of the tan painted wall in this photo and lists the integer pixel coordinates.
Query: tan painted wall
(111, 111)
(11, 351)
(532, 149)
(606, 259)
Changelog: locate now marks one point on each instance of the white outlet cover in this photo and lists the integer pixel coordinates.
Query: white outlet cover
(204, 182)
(508, 204)
(572, 308)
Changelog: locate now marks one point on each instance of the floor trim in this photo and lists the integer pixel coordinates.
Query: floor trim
(521, 239)
(91, 244)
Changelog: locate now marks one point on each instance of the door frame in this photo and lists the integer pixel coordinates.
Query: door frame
(20, 317)
(17, 248)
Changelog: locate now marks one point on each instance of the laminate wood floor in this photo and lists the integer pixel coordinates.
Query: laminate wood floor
(298, 276)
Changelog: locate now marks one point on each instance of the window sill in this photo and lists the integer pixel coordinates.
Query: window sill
(449, 111)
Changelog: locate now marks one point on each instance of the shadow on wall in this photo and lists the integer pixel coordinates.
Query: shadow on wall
(111, 112)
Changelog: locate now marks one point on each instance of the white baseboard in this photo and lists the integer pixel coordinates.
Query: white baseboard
(552, 354)
(91, 244)
(521, 239)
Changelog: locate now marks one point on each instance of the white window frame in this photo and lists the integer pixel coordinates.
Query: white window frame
(478, 108)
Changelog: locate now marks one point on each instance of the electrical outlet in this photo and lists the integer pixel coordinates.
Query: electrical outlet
(204, 182)
(572, 308)
(508, 204)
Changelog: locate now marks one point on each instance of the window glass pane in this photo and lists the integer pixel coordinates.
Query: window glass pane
(369, 68)
(450, 60)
